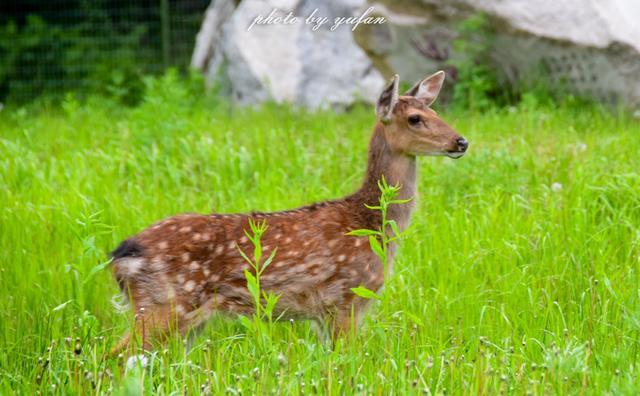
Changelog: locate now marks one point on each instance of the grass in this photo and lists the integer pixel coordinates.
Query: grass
(519, 273)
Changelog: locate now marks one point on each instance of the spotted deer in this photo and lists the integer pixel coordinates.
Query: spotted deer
(178, 272)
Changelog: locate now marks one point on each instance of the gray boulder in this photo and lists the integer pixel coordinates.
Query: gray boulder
(592, 48)
(286, 62)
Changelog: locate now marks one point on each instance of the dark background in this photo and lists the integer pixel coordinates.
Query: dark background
(103, 46)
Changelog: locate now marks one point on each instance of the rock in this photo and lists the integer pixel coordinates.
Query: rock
(291, 62)
(584, 46)
(588, 47)
(588, 23)
(208, 39)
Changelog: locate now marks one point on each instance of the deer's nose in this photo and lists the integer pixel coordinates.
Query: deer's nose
(462, 144)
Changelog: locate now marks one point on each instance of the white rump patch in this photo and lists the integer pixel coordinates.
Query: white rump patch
(130, 266)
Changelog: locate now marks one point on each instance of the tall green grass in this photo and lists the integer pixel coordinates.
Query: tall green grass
(519, 273)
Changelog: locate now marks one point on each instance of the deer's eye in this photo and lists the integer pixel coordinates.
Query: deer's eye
(414, 119)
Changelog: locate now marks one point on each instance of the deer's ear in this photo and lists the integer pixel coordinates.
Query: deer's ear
(428, 89)
(388, 100)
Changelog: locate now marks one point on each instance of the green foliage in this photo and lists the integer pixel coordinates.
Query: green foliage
(519, 273)
(98, 47)
(44, 58)
(380, 240)
(476, 85)
(264, 302)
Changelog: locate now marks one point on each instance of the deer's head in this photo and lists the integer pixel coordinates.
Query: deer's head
(411, 127)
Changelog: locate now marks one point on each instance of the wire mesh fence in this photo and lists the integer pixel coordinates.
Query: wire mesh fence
(53, 47)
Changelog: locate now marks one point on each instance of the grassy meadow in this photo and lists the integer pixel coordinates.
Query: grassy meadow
(518, 275)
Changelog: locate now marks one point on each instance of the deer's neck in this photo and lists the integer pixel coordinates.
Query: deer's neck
(397, 168)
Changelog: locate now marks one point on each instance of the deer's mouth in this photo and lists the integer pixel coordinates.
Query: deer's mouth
(461, 147)
(455, 154)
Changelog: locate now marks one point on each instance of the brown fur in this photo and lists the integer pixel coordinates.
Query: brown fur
(185, 268)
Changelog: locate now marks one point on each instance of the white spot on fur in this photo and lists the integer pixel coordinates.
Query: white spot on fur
(185, 229)
(358, 242)
(194, 266)
(180, 278)
(232, 245)
(189, 286)
(219, 249)
(288, 240)
(163, 245)
(244, 239)
(206, 272)
(278, 236)
(206, 237)
(196, 237)
(332, 243)
(341, 258)
(185, 257)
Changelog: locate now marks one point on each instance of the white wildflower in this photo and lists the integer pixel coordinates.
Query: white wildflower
(556, 187)
(137, 361)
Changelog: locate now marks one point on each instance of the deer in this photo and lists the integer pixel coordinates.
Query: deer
(177, 273)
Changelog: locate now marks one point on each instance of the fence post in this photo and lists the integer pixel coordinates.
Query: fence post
(166, 36)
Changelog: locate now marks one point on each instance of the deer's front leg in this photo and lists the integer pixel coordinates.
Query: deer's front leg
(345, 321)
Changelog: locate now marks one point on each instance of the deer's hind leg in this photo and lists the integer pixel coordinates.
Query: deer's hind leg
(157, 324)
(152, 324)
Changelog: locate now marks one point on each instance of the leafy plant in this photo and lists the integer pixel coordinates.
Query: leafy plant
(264, 302)
(381, 239)
(476, 85)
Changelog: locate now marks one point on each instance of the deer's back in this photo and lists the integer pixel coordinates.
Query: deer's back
(193, 261)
